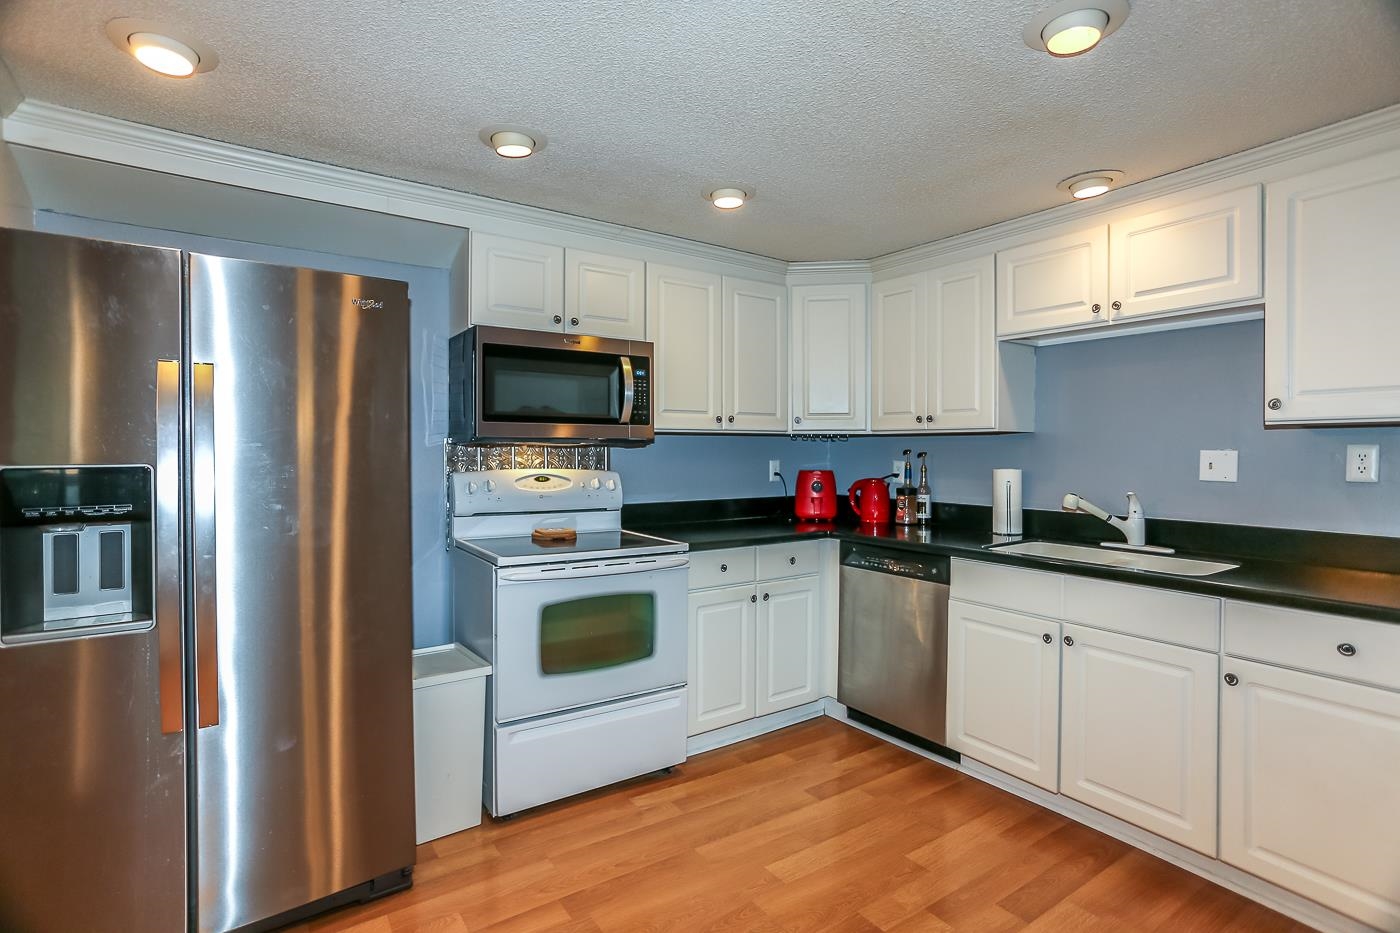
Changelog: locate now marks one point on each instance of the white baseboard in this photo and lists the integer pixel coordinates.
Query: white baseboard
(749, 728)
(1242, 883)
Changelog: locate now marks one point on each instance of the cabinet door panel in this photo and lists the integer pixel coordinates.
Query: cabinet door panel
(605, 294)
(829, 330)
(1004, 691)
(1053, 283)
(1308, 793)
(1206, 252)
(789, 643)
(755, 356)
(899, 360)
(721, 663)
(1138, 736)
(961, 347)
(1332, 294)
(516, 283)
(684, 323)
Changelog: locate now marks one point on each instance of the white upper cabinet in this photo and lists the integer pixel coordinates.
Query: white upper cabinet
(1057, 282)
(755, 356)
(1332, 294)
(1308, 792)
(604, 296)
(1192, 255)
(685, 322)
(1138, 733)
(516, 283)
(829, 384)
(899, 371)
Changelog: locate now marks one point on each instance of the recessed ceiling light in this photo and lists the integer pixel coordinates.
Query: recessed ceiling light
(728, 199)
(1090, 184)
(1073, 27)
(152, 45)
(512, 142)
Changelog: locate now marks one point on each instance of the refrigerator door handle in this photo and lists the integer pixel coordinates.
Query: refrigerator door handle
(167, 552)
(206, 622)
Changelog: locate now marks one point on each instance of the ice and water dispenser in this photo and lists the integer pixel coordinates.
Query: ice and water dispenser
(75, 551)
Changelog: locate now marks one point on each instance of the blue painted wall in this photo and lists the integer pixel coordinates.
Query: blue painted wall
(1112, 415)
(427, 289)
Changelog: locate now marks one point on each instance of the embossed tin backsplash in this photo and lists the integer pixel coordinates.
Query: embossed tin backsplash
(471, 458)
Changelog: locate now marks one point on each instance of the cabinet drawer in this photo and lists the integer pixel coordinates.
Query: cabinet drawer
(721, 568)
(1032, 591)
(1161, 615)
(1314, 641)
(797, 559)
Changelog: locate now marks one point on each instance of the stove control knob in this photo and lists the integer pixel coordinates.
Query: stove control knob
(471, 488)
(612, 484)
(489, 485)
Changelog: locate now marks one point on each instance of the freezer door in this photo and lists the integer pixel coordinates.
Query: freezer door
(301, 585)
(92, 766)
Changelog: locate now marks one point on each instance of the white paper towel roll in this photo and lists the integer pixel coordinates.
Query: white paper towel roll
(1006, 502)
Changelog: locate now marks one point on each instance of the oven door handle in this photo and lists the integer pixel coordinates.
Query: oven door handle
(629, 390)
(567, 572)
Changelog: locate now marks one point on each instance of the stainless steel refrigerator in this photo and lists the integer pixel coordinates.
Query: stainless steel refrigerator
(205, 600)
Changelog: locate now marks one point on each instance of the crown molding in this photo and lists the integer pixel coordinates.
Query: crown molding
(1243, 167)
(817, 273)
(107, 139)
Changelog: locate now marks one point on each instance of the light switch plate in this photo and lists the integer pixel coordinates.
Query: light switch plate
(1220, 466)
(1363, 463)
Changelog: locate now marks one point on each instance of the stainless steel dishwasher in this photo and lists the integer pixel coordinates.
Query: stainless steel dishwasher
(894, 642)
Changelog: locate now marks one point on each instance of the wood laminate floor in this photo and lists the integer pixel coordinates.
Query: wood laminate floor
(816, 827)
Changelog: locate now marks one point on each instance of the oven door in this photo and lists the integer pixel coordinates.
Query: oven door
(571, 635)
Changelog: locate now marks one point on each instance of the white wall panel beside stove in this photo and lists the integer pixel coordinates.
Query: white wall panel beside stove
(587, 637)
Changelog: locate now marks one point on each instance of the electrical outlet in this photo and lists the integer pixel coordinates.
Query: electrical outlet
(775, 468)
(1363, 463)
(1220, 466)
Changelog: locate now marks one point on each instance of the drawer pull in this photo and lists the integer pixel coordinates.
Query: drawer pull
(1346, 649)
(793, 561)
(1231, 679)
(1047, 638)
(723, 568)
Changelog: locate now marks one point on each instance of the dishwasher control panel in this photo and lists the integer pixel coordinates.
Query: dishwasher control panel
(931, 567)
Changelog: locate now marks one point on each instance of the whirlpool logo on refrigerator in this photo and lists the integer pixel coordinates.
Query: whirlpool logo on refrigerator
(367, 304)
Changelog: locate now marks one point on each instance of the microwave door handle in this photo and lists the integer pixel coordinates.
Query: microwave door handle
(629, 390)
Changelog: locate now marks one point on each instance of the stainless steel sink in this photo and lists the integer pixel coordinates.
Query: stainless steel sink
(1122, 560)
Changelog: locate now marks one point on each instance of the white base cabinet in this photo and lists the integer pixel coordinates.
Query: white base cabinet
(755, 647)
(1004, 690)
(1309, 794)
(1138, 732)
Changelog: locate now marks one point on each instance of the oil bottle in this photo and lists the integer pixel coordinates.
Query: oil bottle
(923, 499)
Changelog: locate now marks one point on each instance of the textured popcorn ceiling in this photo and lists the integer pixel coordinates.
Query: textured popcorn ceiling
(864, 127)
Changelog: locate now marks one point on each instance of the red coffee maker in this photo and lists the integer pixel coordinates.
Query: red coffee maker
(816, 495)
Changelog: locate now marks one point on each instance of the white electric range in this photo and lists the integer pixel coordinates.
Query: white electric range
(587, 639)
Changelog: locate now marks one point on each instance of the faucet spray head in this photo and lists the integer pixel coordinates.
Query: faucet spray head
(1071, 503)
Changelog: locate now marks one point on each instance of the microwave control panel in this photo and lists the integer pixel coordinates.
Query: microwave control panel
(641, 392)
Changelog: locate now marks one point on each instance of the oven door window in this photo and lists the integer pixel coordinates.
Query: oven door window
(532, 384)
(597, 633)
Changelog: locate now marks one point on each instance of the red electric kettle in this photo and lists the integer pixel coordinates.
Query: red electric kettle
(871, 500)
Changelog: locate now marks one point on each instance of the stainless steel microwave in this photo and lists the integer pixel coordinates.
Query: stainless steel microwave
(524, 385)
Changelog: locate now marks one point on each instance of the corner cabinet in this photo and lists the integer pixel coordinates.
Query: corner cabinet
(1332, 295)
(829, 383)
(935, 361)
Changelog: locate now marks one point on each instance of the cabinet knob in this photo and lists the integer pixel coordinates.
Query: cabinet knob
(1069, 641)
(1096, 308)
(919, 419)
(573, 322)
(928, 418)
(1047, 638)
(558, 319)
(1275, 404)
(1117, 306)
(731, 419)
(718, 420)
(765, 597)
(723, 568)
(1346, 649)
(1231, 679)
(797, 420)
(793, 562)
(753, 599)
